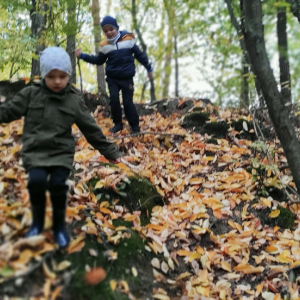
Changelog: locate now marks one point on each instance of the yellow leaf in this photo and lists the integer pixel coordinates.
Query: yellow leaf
(274, 213)
(284, 257)
(113, 284)
(161, 297)
(99, 184)
(47, 272)
(225, 265)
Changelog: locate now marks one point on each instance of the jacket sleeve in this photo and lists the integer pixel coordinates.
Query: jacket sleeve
(93, 133)
(99, 59)
(15, 108)
(142, 58)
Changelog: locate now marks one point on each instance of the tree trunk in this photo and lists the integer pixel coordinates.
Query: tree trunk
(169, 48)
(38, 24)
(97, 39)
(71, 34)
(143, 45)
(295, 8)
(176, 67)
(243, 46)
(284, 65)
(245, 84)
(254, 38)
(158, 69)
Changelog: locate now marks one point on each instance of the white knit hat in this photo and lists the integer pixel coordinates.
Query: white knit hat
(55, 58)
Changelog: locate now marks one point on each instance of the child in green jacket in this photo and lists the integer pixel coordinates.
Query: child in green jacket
(50, 108)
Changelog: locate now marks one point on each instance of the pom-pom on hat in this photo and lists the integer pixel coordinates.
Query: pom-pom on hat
(108, 20)
(55, 58)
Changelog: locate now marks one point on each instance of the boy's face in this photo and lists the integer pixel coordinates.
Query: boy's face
(110, 31)
(56, 80)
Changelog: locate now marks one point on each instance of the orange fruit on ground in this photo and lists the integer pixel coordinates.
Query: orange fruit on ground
(94, 276)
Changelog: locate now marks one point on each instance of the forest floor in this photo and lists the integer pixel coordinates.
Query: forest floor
(197, 209)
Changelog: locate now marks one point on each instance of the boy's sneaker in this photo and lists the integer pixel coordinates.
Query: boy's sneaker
(118, 127)
(135, 129)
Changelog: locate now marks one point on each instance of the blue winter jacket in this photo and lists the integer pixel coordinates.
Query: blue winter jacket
(119, 57)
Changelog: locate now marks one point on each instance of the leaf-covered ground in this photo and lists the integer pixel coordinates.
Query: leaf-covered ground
(225, 230)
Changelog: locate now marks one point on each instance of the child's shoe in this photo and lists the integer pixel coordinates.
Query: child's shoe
(118, 127)
(60, 233)
(38, 216)
(135, 129)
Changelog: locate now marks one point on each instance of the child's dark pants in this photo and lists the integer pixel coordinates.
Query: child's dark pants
(126, 85)
(38, 183)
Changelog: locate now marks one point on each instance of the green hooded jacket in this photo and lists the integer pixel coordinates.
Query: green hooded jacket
(47, 133)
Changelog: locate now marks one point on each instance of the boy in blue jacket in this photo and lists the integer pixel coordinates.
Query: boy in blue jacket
(118, 50)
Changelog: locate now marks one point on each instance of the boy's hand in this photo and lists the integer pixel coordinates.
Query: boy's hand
(77, 52)
(150, 75)
(116, 161)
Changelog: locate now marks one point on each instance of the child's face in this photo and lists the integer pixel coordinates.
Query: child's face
(56, 80)
(110, 31)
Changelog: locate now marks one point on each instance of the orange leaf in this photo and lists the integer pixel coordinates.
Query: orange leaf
(56, 292)
(217, 213)
(77, 247)
(183, 252)
(105, 210)
(272, 249)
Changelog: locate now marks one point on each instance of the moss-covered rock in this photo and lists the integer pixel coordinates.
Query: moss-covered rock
(211, 141)
(216, 129)
(238, 126)
(285, 220)
(131, 254)
(136, 194)
(195, 119)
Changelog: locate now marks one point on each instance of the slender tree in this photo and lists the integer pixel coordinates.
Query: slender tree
(169, 47)
(284, 65)
(176, 66)
(38, 24)
(254, 38)
(97, 39)
(247, 60)
(295, 8)
(245, 84)
(71, 35)
(143, 44)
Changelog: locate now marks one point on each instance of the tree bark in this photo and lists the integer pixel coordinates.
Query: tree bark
(254, 38)
(169, 48)
(38, 24)
(143, 45)
(295, 8)
(245, 84)
(97, 39)
(71, 34)
(176, 67)
(284, 65)
(239, 31)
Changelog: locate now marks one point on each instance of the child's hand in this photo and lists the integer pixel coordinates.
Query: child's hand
(116, 161)
(150, 75)
(77, 52)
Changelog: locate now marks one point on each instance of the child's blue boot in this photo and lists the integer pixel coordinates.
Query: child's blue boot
(60, 232)
(118, 127)
(38, 216)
